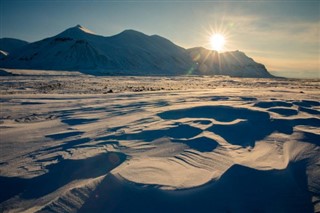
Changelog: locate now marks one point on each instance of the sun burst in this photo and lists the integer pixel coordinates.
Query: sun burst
(217, 41)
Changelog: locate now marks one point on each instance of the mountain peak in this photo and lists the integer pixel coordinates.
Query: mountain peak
(132, 33)
(77, 31)
(86, 30)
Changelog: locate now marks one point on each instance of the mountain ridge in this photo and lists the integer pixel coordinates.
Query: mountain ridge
(8, 45)
(128, 53)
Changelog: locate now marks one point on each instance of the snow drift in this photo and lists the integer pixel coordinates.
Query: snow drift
(158, 144)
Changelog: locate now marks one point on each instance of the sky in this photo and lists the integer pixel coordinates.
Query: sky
(284, 35)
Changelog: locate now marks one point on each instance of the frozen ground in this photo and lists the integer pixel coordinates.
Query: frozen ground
(77, 143)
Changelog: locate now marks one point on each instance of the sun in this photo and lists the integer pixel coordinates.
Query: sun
(217, 42)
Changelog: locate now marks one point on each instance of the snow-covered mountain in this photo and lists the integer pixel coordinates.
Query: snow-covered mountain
(3, 54)
(234, 63)
(128, 53)
(8, 45)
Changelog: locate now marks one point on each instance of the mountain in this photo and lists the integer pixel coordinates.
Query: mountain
(9, 45)
(127, 53)
(3, 54)
(234, 63)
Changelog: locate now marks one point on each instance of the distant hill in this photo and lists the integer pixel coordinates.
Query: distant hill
(9, 45)
(128, 53)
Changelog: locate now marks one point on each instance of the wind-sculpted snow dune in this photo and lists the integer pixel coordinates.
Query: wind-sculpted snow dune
(218, 150)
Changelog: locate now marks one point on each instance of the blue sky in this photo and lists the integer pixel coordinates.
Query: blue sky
(282, 34)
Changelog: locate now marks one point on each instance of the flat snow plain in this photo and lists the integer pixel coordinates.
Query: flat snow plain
(77, 143)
